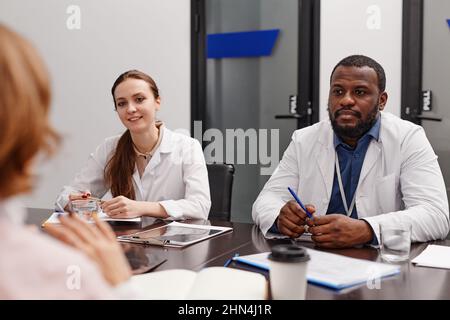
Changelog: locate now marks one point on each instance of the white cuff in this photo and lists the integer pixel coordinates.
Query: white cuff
(375, 228)
(172, 209)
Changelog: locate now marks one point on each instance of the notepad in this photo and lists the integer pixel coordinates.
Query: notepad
(53, 219)
(332, 270)
(212, 283)
(434, 257)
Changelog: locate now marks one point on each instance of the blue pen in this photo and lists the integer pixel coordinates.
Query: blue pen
(230, 260)
(300, 203)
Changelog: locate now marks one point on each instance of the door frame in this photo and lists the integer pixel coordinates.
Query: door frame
(308, 64)
(198, 63)
(412, 48)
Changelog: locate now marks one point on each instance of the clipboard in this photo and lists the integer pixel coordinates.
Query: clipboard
(174, 234)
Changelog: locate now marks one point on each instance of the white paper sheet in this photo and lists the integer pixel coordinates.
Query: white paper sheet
(434, 256)
(53, 219)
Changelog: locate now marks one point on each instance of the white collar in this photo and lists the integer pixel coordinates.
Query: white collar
(166, 142)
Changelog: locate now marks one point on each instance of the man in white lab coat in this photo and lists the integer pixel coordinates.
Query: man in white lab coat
(360, 168)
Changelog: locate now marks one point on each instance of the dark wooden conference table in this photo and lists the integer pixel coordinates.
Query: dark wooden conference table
(412, 282)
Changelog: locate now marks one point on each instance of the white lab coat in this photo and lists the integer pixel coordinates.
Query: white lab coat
(176, 177)
(400, 179)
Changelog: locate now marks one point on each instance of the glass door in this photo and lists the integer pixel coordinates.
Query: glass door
(251, 71)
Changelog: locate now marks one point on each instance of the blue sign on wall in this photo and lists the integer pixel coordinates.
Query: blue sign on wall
(241, 44)
(448, 22)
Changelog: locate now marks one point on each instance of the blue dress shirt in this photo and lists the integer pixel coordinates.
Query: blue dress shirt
(350, 162)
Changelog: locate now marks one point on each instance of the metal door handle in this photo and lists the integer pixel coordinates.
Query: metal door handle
(289, 116)
(421, 117)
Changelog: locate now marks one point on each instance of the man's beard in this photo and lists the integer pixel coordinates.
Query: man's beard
(361, 127)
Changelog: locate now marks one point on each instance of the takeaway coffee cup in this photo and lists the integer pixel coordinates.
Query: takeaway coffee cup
(288, 264)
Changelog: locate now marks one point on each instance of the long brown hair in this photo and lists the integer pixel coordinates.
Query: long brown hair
(119, 169)
(24, 107)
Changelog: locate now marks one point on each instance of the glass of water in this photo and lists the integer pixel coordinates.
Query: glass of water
(395, 241)
(85, 208)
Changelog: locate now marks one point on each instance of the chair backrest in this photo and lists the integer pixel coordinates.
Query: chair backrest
(220, 184)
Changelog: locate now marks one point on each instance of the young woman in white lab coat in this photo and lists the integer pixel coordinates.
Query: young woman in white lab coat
(147, 171)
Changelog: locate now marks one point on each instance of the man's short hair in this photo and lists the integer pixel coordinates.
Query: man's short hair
(360, 61)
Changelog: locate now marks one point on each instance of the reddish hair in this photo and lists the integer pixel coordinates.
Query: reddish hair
(24, 106)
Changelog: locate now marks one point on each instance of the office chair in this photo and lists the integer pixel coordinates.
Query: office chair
(220, 177)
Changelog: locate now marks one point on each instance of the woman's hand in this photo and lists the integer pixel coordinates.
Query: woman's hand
(122, 207)
(98, 242)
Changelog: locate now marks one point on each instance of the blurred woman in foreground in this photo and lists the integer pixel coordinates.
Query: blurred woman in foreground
(32, 265)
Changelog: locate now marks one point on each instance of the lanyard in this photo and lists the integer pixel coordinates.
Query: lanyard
(341, 189)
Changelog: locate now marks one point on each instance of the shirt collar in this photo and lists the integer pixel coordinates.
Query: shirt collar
(166, 144)
(374, 132)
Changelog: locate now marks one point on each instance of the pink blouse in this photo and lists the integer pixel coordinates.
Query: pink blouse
(35, 266)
